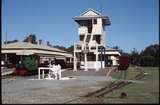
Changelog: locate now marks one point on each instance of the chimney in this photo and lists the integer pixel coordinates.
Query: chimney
(29, 39)
(48, 43)
(40, 42)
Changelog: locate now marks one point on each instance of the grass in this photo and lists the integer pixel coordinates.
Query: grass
(145, 92)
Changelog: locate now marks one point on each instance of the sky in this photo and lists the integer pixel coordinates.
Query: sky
(134, 23)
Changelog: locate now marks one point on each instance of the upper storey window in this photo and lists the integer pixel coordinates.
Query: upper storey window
(81, 37)
(95, 21)
(97, 38)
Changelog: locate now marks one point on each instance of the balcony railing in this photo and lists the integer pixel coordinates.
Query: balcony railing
(86, 46)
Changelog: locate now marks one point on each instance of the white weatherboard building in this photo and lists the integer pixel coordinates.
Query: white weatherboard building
(91, 52)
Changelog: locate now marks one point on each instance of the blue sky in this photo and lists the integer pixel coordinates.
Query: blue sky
(134, 23)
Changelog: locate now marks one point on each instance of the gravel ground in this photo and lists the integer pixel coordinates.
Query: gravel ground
(30, 90)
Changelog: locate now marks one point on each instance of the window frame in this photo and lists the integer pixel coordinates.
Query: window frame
(94, 21)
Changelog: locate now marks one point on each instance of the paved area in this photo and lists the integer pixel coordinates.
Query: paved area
(30, 90)
(91, 72)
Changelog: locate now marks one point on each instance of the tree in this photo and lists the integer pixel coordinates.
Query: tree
(147, 57)
(116, 47)
(70, 49)
(134, 57)
(12, 41)
(120, 50)
(150, 55)
(60, 47)
(31, 38)
(147, 61)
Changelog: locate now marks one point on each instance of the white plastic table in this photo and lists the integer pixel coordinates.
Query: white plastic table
(39, 71)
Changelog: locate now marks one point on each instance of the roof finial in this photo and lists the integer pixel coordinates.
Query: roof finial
(101, 8)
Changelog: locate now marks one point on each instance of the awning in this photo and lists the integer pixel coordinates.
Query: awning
(18, 52)
(24, 48)
(24, 53)
(38, 52)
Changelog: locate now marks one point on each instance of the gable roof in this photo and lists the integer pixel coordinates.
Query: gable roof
(26, 45)
(23, 48)
(90, 12)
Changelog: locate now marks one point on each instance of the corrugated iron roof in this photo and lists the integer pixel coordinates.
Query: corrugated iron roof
(26, 45)
(32, 48)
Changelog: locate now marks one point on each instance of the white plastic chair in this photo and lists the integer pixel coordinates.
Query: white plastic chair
(55, 71)
(52, 72)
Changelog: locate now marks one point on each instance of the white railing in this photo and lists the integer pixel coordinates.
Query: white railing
(93, 46)
(79, 46)
(93, 64)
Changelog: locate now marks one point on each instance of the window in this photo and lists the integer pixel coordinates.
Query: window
(91, 57)
(89, 29)
(95, 21)
(81, 37)
(88, 38)
(97, 38)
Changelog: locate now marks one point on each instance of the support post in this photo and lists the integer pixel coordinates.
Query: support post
(75, 61)
(104, 57)
(85, 62)
(38, 73)
(6, 60)
(96, 58)
(59, 73)
(43, 73)
(101, 57)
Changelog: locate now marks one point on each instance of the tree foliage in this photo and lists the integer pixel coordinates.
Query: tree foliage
(31, 38)
(12, 41)
(147, 57)
(60, 47)
(69, 49)
(150, 56)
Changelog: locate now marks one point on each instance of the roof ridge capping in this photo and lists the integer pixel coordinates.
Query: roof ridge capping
(90, 9)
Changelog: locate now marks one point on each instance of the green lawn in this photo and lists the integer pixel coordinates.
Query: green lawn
(145, 92)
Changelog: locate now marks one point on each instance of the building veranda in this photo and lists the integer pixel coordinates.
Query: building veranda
(14, 53)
